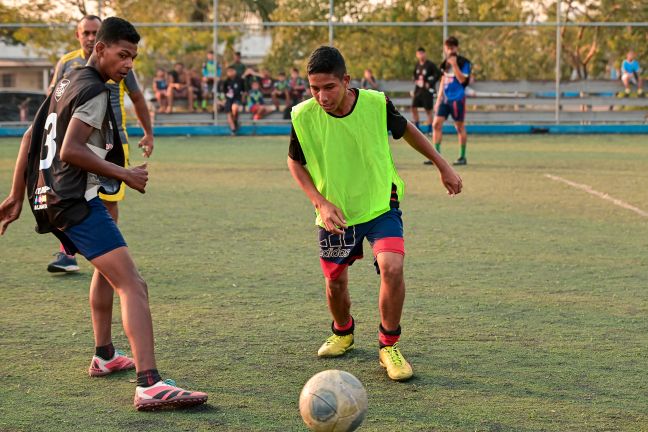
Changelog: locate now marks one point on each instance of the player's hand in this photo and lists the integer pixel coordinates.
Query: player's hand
(9, 211)
(452, 60)
(136, 178)
(146, 144)
(451, 181)
(332, 218)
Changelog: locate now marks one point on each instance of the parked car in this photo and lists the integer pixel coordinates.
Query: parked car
(19, 105)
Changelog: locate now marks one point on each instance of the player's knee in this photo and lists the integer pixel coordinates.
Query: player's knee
(437, 125)
(392, 271)
(336, 282)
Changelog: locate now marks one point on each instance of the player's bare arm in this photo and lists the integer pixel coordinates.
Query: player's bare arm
(75, 151)
(12, 206)
(332, 217)
(457, 71)
(449, 177)
(440, 96)
(141, 111)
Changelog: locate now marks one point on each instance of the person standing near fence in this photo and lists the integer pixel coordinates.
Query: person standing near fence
(426, 75)
(86, 33)
(452, 97)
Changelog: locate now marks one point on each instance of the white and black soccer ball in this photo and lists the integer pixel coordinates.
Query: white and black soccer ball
(333, 401)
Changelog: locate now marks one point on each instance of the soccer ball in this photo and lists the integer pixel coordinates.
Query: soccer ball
(333, 401)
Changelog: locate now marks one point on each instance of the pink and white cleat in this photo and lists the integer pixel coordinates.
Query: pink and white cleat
(164, 395)
(100, 367)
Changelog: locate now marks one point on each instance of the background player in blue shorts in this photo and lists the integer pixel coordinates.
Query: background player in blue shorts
(452, 97)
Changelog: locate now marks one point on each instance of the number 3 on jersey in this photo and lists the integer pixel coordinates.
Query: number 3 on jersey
(50, 143)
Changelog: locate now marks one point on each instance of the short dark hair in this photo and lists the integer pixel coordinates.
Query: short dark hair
(115, 29)
(420, 49)
(238, 53)
(452, 42)
(89, 18)
(326, 59)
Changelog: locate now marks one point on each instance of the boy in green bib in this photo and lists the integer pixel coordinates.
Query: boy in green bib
(339, 155)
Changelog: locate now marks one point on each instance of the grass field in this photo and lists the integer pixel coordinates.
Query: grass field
(526, 309)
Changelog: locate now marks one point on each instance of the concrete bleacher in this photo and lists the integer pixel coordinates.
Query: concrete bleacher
(501, 102)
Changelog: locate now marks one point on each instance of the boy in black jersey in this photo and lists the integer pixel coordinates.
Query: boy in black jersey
(233, 87)
(426, 75)
(70, 153)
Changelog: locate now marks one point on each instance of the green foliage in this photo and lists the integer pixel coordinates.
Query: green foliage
(499, 53)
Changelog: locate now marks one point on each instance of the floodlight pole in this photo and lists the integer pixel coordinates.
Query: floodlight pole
(99, 8)
(445, 20)
(215, 47)
(558, 54)
(330, 22)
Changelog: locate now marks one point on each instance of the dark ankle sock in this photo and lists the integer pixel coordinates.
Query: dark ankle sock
(343, 332)
(106, 352)
(148, 377)
(388, 338)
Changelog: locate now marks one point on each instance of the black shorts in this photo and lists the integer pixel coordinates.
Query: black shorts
(230, 102)
(423, 98)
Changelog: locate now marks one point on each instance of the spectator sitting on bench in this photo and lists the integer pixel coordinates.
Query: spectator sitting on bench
(211, 72)
(296, 89)
(266, 83)
(631, 74)
(180, 87)
(196, 87)
(160, 88)
(280, 90)
(368, 81)
(255, 102)
(234, 89)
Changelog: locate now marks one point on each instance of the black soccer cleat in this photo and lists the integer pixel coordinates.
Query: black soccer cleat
(460, 161)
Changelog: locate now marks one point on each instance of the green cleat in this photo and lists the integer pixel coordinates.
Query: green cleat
(397, 367)
(336, 345)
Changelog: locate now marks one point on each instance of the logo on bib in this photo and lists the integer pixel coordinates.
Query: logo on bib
(60, 89)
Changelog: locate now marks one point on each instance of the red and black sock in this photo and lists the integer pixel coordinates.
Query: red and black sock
(148, 377)
(388, 337)
(106, 352)
(345, 329)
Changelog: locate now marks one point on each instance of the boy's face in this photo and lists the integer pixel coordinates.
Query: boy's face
(630, 56)
(420, 56)
(86, 34)
(449, 49)
(231, 73)
(255, 85)
(116, 60)
(328, 89)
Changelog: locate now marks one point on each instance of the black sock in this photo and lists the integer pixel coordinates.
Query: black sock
(343, 332)
(106, 352)
(148, 377)
(385, 335)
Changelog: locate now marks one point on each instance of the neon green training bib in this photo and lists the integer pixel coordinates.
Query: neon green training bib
(349, 158)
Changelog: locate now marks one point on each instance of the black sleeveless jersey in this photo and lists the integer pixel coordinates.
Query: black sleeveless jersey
(55, 188)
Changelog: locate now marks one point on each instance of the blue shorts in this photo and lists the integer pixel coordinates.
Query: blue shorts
(338, 251)
(456, 109)
(96, 235)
